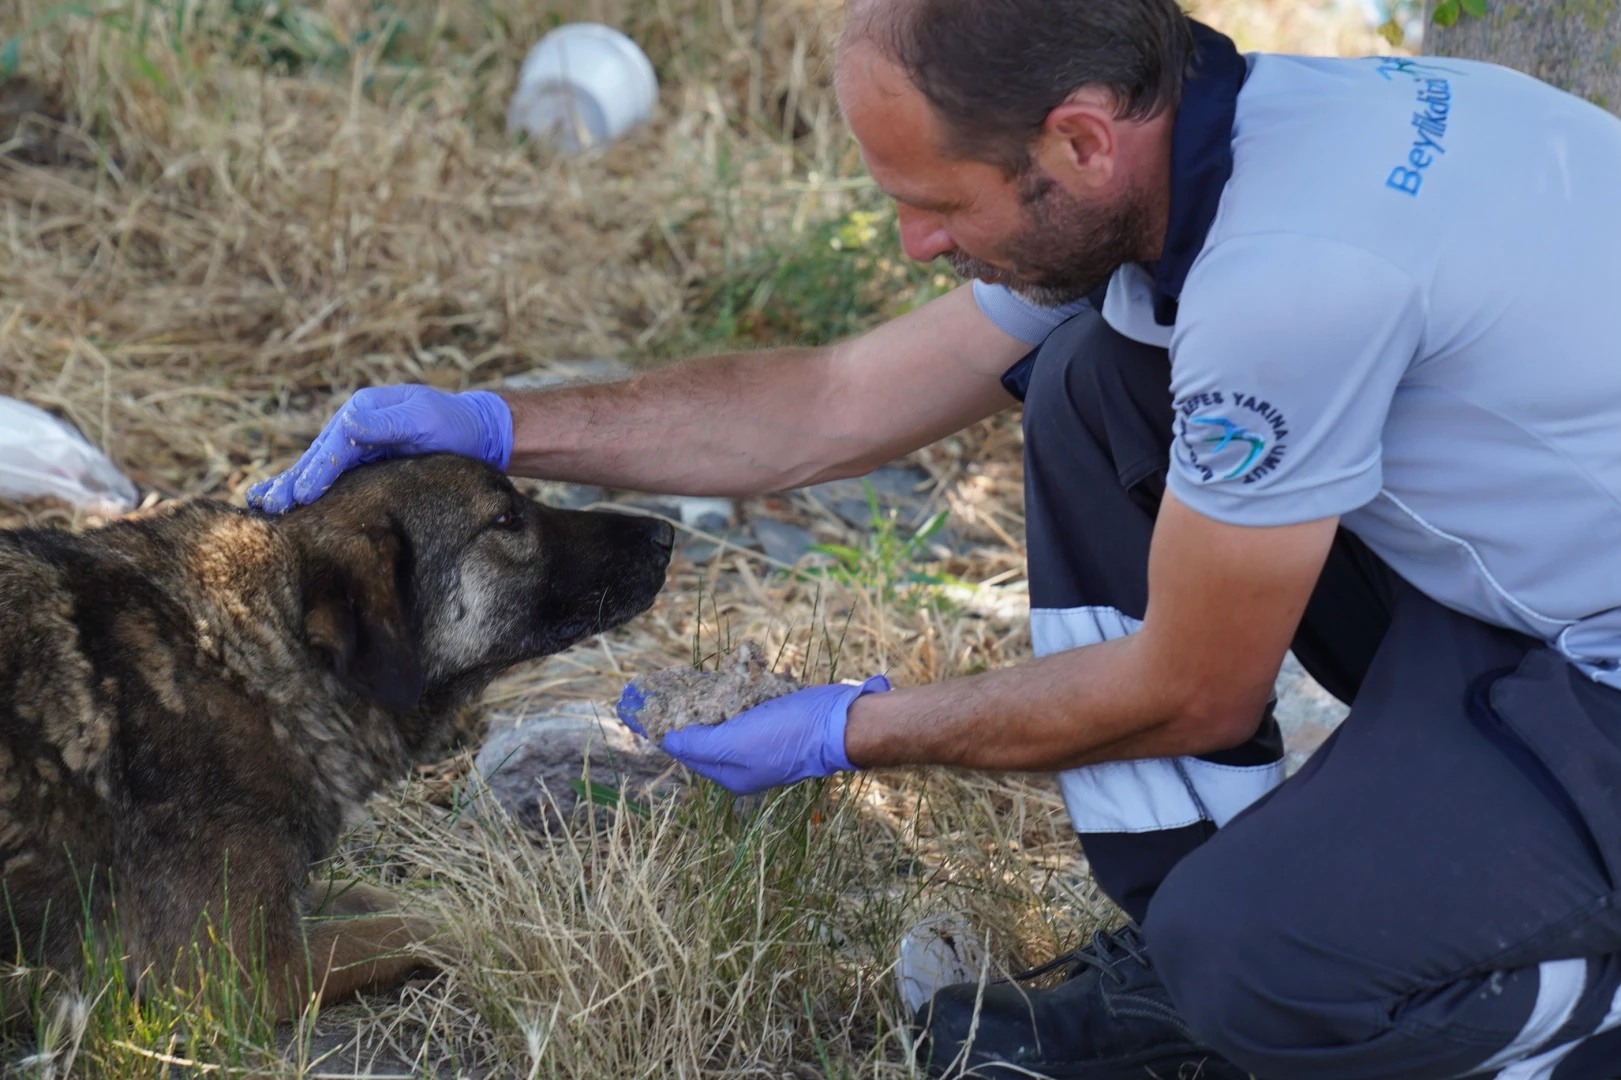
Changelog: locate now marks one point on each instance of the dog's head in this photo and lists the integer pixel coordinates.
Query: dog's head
(429, 575)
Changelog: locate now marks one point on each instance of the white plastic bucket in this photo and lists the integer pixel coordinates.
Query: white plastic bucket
(583, 85)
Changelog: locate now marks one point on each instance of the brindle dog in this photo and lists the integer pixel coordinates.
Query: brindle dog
(195, 701)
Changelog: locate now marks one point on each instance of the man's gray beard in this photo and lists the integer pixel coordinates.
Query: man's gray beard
(968, 268)
(1066, 250)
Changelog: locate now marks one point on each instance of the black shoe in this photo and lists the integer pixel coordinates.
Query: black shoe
(1110, 1019)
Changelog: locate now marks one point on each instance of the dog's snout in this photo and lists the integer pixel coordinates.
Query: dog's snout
(663, 536)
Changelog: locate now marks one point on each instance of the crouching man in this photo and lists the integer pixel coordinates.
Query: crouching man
(1313, 353)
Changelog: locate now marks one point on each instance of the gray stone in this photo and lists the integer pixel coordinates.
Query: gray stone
(529, 765)
(1009, 604)
(845, 498)
(666, 506)
(1306, 712)
(895, 486)
(562, 372)
(700, 551)
(899, 482)
(710, 515)
(950, 540)
(573, 496)
(782, 541)
(856, 513)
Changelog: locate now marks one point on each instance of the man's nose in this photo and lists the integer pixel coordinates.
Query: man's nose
(923, 235)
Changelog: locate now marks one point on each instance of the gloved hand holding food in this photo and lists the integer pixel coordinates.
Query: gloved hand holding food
(743, 726)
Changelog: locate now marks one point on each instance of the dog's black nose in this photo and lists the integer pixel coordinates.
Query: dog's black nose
(663, 536)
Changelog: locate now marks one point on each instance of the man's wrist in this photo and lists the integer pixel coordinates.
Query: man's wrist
(546, 438)
(496, 426)
(863, 721)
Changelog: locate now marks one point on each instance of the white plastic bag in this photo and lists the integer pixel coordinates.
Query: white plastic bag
(42, 456)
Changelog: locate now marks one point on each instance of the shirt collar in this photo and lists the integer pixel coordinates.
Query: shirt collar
(1201, 161)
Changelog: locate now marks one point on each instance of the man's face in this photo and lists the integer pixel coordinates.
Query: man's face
(1029, 232)
(1063, 248)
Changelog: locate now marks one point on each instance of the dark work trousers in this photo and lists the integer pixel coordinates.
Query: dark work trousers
(1434, 894)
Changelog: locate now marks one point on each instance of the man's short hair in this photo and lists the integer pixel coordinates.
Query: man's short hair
(994, 69)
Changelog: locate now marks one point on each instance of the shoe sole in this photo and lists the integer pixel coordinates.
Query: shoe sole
(1154, 1065)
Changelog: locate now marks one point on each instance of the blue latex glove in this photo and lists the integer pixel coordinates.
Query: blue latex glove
(392, 421)
(793, 737)
(630, 703)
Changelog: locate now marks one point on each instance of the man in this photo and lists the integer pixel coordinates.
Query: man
(1323, 357)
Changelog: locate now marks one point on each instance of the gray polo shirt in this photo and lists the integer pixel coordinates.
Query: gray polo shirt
(1406, 314)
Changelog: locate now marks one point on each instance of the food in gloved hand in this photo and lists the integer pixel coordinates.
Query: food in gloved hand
(676, 697)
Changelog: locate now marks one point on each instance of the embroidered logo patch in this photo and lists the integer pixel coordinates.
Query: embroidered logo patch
(1230, 436)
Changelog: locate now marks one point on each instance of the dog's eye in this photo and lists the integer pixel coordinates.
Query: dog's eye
(510, 519)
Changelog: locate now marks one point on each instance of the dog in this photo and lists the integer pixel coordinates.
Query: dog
(197, 699)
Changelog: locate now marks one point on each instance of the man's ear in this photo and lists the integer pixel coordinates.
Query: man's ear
(1081, 139)
(358, 611)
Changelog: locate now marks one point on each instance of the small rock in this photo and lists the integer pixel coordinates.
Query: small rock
(667, 506)
(562, 372)
(1306, 712)
(1307, 737)
(700, 551)
(1008, 604)
(35, 127)
(853, 512)
(710, 515)
(948, 542)
(782, 541)
(529, 766)
(573, 496)
(899, 481)
(895, 486)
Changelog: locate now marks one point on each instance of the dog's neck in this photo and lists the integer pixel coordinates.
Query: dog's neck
(245, 599)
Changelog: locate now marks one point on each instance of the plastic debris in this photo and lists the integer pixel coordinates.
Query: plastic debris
(43, 457)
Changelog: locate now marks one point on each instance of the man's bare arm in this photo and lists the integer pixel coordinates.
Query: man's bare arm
(1224, 602)
(753, 422)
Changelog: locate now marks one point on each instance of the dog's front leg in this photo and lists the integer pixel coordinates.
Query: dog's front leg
(357, 954)
(328, 897)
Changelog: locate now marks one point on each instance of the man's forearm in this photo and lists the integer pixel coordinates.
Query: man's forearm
(1088, 705)
(1174, 687)
(742, 424)
(720, 425)
(770, 420)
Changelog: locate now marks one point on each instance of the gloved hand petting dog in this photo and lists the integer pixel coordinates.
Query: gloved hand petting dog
(392, 421)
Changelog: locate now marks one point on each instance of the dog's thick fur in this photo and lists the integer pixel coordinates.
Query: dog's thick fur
(196, 700)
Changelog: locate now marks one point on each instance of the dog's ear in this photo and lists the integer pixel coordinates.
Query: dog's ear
(357, 610)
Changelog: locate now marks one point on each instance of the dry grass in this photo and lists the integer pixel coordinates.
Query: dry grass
(215, 225)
